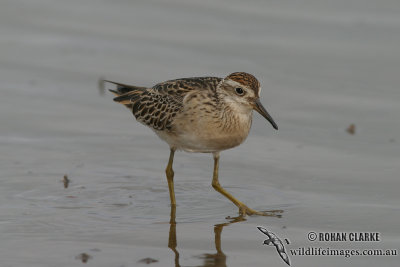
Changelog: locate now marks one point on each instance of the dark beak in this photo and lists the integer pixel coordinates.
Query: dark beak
(260, 109)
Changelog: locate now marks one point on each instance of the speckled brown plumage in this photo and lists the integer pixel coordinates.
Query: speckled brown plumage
(246, 78)
(204, 111)
(157, 106)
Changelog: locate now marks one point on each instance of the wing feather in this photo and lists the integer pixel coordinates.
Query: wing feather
(158, 106)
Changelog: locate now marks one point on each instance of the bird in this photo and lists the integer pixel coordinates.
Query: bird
(275, 241)
(198, 114)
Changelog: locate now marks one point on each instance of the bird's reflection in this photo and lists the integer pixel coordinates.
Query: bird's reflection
(219, 259)
(172, 235)
(209, 260)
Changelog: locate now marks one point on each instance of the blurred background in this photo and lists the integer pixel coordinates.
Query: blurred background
(329, 72)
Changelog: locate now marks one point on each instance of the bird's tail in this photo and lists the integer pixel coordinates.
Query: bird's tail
(126, 94)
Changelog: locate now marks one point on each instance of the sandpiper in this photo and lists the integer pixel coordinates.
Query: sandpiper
(199, 114)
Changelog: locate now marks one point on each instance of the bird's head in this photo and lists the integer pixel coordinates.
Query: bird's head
(241, 91)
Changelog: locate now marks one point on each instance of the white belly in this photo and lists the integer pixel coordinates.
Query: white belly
(206, 137)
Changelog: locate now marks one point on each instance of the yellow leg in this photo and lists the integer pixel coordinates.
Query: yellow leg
(170, 176)
(243, 209)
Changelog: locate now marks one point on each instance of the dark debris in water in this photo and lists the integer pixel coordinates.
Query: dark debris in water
(83, 257)
(351, 129)
(66, 181)
(147, 260)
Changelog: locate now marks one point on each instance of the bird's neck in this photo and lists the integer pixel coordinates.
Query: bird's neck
(236, 116)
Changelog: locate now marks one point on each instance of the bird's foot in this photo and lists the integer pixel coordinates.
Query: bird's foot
(244, 210)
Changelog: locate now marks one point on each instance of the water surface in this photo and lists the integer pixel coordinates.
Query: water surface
(323, 65)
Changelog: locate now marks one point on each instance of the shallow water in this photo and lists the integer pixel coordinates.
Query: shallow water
(323, 65)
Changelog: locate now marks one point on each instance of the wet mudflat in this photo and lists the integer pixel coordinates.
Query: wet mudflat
(82, 183)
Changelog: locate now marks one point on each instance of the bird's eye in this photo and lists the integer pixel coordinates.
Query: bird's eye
(239, 91)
